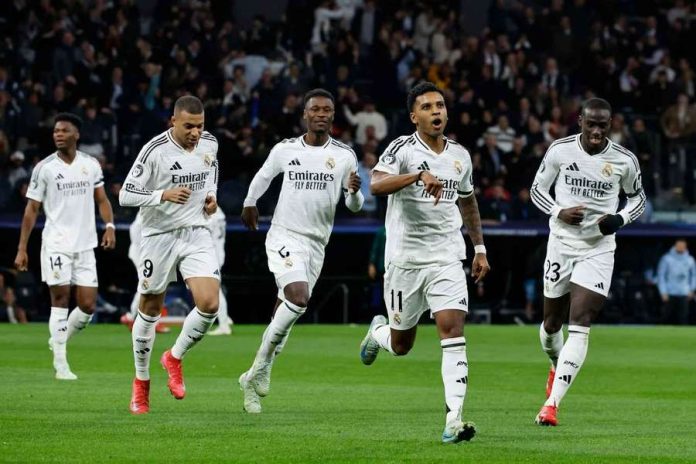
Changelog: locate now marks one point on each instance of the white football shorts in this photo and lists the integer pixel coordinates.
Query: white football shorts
(59, 268)
(410, 292)
(293, 257)
(190, 249)
(590, 267)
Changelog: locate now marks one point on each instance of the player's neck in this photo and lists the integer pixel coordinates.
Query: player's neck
(67, 155)
(316, 139)
(181, 143)
(436, 143)
(590, 151)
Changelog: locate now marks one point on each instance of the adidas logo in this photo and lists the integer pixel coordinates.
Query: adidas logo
(294, 162)
(464, 380)
(59, 177)
(599, 286)
(424, 166)
(175, 167)
(217, 272)
(572, 167)
(462, 302)
(566, 378)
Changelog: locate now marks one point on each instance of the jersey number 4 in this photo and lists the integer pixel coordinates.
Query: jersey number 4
(552, 273)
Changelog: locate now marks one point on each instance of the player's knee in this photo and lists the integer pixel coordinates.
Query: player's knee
(87, 305)
(60, 300)
(552, 325)
(299, 299)
(209, 304)
(401, 348)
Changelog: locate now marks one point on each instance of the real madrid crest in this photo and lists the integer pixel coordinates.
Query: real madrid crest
(607, 170)
(84, 170)
(458, 166)
(208, 159)
(145, 284)
(288, 262)
(330, 163)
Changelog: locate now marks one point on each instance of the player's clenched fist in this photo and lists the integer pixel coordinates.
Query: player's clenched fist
(179, 195)
(250, 217)
(432, 185)
(21, 261)
(572, 216)
(354, 182)
(210, 205)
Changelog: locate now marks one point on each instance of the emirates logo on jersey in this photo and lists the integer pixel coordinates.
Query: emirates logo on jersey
(330, 163)
(607, 170)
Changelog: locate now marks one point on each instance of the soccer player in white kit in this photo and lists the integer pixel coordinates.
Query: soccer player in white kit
(588, 172)
(67, 183)
(429, 182)
(174, 182)
(317, 171)
(218, 228)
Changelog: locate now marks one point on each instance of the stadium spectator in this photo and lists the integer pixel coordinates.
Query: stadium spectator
(362, 120)
(16, 171)
(676, 281)
(9, 311)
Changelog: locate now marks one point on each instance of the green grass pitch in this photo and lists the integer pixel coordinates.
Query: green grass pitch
(634, 401)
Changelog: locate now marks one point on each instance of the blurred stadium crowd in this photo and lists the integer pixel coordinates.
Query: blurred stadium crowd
(512, 88)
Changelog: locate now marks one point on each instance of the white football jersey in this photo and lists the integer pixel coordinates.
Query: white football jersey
(67, 194)
(593, 181)
(218, 229)
(420, 233)
(314, 179)
(163, 164)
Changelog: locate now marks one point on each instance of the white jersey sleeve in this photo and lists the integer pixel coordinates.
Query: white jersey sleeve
(393, 159)
(631, 183)
(543, 181)
(262, 179)
(134, 191)
(353, 201)
(39, 181)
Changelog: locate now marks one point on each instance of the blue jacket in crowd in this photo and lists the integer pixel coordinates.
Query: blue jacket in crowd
(676, 273)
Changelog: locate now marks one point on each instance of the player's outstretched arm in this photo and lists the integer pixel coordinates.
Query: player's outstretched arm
(468, 207)
(108, 241)
(384, 183)
(31, 212)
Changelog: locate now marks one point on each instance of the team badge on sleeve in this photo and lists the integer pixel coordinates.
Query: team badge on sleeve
(137, 170)
(388, 158)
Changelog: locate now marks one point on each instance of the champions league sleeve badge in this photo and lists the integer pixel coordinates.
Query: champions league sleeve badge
(388, 158)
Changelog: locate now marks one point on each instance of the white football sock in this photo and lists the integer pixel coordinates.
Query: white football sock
(143, 336)
(223, 317)
(552, 344)
(569, 363)
(135, 305)
(278, 330)
(58, 328)
(77, 320)
(382, 335)
(455, 375)
(195, 326)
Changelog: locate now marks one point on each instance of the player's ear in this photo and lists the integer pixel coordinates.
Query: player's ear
(413, 117)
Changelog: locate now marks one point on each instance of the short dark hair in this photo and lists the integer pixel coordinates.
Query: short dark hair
(188, 103)
(595, 104)
(73, 119)
(418, 90)
(317, 93)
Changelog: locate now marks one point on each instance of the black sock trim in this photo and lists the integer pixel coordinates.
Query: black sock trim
(296, 312)
(146, 318)
(206, 315)
(453, 345)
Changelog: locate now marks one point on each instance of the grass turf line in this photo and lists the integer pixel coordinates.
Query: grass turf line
(633, 401)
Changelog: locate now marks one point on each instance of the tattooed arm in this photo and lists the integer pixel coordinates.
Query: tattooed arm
(468, 207)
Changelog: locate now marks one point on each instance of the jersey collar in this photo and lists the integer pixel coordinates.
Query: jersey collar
(425, 145)
(328, 142)
(606, 149)
(171, 139)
